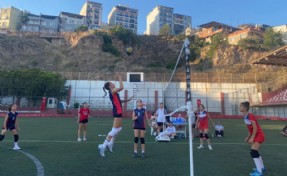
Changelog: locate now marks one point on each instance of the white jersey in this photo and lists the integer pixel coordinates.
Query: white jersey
(160, 115)
(170, 130)
(219, 128)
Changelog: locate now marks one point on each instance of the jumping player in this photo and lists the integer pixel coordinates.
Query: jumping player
(83, 121)
(117, 114)
(255, 138)
(202, 125)
(11, 123)
(139, 116)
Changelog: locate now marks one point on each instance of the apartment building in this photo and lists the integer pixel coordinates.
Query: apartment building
(93, 14)
(69, 21)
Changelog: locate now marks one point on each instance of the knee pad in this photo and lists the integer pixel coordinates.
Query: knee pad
(206, 136)
(2, 137)
(201, 135)
(142, 141)
(115, 132)
(136, 140)
(16, 138)
(254, 153)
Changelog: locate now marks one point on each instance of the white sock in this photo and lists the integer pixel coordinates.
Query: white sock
(15, 143)
(105, 143)
(258, 164)
(261, 161)
(135, 151)
(112, 141)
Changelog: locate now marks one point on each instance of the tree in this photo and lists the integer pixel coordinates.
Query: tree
(82, 28)
(251, 43)
(31, 83)
(165, 30)
(125, 35)
(272, 39)
(217, 41)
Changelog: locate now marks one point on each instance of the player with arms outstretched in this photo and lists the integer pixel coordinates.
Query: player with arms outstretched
(117, 114)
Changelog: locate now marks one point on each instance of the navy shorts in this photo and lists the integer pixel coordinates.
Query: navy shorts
(117, 115)
(159, 123)
(84, 121)
(139, 128)
(10, 128)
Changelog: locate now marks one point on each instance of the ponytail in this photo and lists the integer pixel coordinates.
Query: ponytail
(10, 108)
(246, 104)
(106, 87)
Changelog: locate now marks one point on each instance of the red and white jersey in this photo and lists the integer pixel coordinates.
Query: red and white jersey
(202, 115)
(84, 113)
(248, 119)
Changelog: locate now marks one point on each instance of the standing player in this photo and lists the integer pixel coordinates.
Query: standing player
(83, 121)
(160, 114)
(202, 124)
(139, 116)
(11, 123)
(255, 138)
(117, 113)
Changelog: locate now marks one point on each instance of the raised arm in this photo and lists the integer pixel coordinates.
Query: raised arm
(115, 90)
(127, 100)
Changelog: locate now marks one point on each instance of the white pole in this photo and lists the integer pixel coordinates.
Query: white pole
(189, 103)
(190, 120)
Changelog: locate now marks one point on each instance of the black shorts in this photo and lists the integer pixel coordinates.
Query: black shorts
(159, 123)
(138, 128)
(118, 115)
(84, 121)
(10, 128)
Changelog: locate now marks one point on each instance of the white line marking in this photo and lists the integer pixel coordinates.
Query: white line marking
(131, 142)
(39, 166)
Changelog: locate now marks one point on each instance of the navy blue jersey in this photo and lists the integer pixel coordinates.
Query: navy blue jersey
(117, 104)
(139, 122)
(11, 119)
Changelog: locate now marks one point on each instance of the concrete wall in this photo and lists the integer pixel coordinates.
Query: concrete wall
(173, 94)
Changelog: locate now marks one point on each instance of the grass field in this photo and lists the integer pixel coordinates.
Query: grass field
(53, 142)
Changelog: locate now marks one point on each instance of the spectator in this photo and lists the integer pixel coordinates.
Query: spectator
(153, 123)
(160, 114)
(169, 131)
(284, 131)
(219, 130)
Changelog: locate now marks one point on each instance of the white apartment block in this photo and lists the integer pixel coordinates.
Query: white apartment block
(69, 21)
(125, 17)
(180, 23)
(93, 14)
(283, 30)
(157, 18)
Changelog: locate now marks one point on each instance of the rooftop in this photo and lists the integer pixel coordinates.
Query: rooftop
(277, 57)
(214, 23)
(244, 31)
(72, 15)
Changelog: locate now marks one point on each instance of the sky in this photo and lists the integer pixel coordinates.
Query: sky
(231, 12)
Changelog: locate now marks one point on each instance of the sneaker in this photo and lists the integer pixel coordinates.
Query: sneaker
(209, 147)
(79, 140)
(263, 169)
(135, 155)
(256, 173)
(143, 155)
(200, 147)
(16, 147)
(84, 139)
(102, 150)
(110, 147)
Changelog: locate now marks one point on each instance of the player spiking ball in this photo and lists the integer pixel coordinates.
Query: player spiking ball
(255, 138)
(117, 114)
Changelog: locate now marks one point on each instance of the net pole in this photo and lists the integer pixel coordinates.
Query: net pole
(189, 104)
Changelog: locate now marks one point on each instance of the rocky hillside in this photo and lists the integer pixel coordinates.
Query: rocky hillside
(84, 52)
